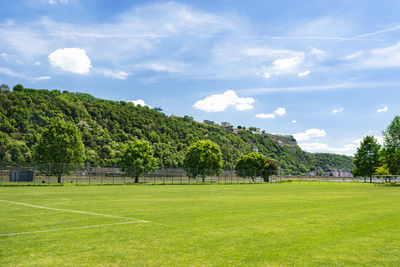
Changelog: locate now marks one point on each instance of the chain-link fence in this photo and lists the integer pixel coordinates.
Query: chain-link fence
(59, 174)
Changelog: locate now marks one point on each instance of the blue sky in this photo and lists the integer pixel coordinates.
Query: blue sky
(324, 71)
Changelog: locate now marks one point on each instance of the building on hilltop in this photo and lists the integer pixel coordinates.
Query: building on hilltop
(225, 124)
(208, 122)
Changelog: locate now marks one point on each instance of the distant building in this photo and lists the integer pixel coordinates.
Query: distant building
(235, 131)
(331, 172)
(208, 122)
(254, 149)
(338, 173)
(225, 124)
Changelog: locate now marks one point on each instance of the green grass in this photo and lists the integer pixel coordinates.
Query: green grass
(288, 224)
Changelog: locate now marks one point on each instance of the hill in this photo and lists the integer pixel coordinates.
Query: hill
(107, 125)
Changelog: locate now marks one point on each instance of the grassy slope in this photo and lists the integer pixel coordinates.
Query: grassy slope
(273, 224)
(106, 126)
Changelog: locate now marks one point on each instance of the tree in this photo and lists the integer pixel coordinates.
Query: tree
(4, 88)
(254, 165)
(137, 159)
(391, 148)
(250, 165)
(60, 149)
(366, 159)
(270, 168)
(18, 88)
(203, 158)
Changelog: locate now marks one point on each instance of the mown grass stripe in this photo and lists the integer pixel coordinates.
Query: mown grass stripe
(69, 228)
(73, 211)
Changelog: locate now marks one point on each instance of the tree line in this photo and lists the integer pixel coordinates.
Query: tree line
(108, 126)
(60, 150)
(373, 159)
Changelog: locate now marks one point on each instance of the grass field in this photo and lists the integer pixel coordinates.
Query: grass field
(287, 224)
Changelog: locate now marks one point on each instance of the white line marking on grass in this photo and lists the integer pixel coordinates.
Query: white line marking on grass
(69, 228)
(74, 211)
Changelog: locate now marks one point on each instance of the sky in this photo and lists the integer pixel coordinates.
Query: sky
(326, 72)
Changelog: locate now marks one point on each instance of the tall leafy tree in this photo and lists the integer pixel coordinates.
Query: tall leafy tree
(255, 165)
(366, 159)
(391, 148)
(137, 159)
(250, 165)
(203, 158)
(60, 149)
(270, 168)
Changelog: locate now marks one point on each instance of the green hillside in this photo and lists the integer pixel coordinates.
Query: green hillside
(107, 125)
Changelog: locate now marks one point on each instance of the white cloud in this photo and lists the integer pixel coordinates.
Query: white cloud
(354, 55)
(163, 67)
(310, 133)
(286, 65)
(348, 149)
(267, 75)
(139, 102)
(284, 62)
(220, 102)
(4, 56)
(304, 73)
(37, 63)
(337, 110)
(311, 88)
(294, 121)
(278, 112)
(384, 109)
(318, 54)
(53, 2)
(72, 60)
(379, 139)
(12, 73)
(41, 78)
(115, 74)
(386, 57)
(265, 116)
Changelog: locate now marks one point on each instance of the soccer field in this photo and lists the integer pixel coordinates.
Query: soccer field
(287, 224)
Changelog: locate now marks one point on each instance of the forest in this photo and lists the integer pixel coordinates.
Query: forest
(106, 126)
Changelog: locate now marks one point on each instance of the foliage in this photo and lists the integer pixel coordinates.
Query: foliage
(4, 88)
(270, 168)
(60, 149)
(107, 125)
(366, 159)
(254, 165)
(250, 165)
(203, 158)
(382, 170)
(18, 88)
(391, 149)
(138, 159)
